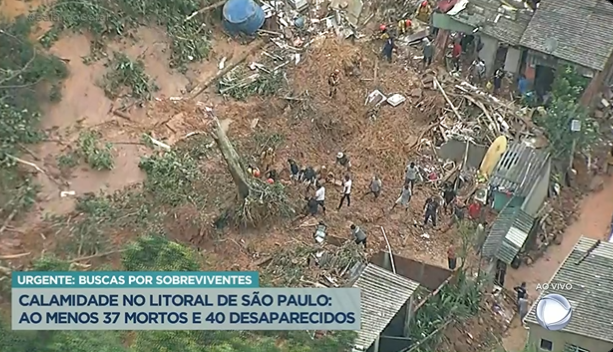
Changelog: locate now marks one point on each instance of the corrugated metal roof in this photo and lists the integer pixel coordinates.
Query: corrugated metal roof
(590, 295)
(507, 235)
(383, 294)
(519, 169)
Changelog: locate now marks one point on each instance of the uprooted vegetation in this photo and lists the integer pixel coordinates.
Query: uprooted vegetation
(127, 78)
(111, 18)
(22, 69)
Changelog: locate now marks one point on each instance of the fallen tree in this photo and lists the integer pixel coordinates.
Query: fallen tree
(258, 201)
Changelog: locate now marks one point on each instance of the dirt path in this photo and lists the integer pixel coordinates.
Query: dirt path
(594, 220)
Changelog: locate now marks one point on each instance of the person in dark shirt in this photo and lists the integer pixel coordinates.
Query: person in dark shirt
(498, 76)
(449, 195)
(521, 291)
(293, 169)
(430, 210)
(312, 206)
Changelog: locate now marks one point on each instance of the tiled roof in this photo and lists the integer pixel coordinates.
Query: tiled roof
(578, 31)
(591, 278)
(507, 27)
(383, 294)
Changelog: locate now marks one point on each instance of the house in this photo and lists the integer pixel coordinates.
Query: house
(508, 236)
(385, 297)
(589, 270)
(499, 25)
(570, 31)
(521, 178)
(393, 289)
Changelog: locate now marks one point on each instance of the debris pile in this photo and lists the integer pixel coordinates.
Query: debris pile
(304, 265)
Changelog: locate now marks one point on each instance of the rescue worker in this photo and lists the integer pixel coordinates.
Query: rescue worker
(410, 175)
(449, 195)
(383, 32)
(346, 193)
(423, 12)
(333, 82)
(452, 260)
(388, 49)
(267, 158)
(405, 27)
(320, 196)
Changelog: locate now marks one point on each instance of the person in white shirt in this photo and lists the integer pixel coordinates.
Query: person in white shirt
(320, 197)
(346, 193)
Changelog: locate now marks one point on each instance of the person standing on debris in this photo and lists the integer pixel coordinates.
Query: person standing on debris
(423, 12)
(312, 206)
(428, 52)
(388, 49)
(405, 198)
(410, 175)
(346, 193)
(456, 54)
(430, 209)
(375, 187)
(268, 158)
(343, 160)
(294, 170)
(452, 260)
(523, 85)
(498, 76)
(359, 236)
(449, 195)
(320, 197)
(333, 81)
(524, 304)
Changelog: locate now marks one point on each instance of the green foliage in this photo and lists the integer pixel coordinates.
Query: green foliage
(68, 160)
(50, 263)
(239, 87)
(85, 341)
(563, 109)
(127, 77)
(23, 71)
(97, 155)
(108, 18)
(172, 177)
(157, 253)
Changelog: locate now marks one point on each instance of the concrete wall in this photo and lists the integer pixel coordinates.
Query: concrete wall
(429, 276)
(512, 61)
(488, 53)
(539, 192)
(559, 338)
(454, 150)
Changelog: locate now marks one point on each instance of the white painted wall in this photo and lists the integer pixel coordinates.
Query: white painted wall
(488, 53)
(511, 62)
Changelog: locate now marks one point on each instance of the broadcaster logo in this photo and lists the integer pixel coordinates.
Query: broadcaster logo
(553, 312)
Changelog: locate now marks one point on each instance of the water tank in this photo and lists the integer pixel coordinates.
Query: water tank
(242, 16)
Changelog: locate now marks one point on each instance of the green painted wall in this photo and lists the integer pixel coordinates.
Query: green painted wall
(501, 200)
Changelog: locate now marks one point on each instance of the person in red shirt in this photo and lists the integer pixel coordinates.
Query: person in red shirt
(456, 53)
(474, 210)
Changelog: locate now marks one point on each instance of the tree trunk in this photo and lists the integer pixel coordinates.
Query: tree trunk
(231, 156)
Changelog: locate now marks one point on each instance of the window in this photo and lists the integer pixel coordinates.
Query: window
(546, 345)
(572, 348)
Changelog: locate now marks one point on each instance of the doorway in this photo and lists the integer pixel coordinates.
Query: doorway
(543, 79)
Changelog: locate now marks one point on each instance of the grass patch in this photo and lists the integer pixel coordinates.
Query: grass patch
(98, 155)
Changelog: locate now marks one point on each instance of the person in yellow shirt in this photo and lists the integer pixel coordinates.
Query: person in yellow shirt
(384, 32)
(423, 12)
(405, 27)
